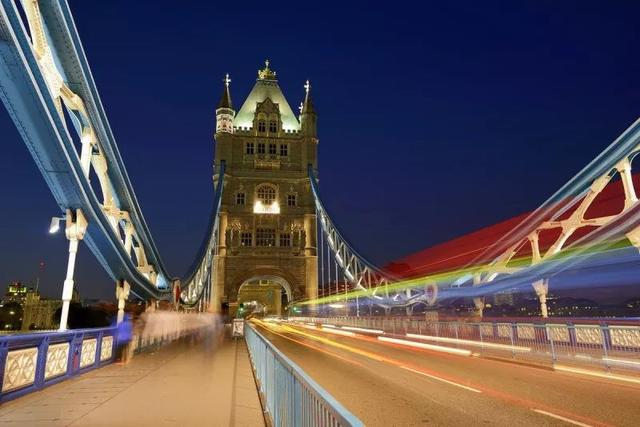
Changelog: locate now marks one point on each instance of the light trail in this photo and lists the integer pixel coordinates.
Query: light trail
(339, 332)
(615, 360)
(471, 342)
(432, 347)
(313, 347)
(563, 368)
(370, 331)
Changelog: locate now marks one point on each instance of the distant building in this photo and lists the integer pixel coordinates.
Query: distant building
(503, 298)
(16, 292)
(39, 312)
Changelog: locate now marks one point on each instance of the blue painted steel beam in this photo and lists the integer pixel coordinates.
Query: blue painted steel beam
(25, 95)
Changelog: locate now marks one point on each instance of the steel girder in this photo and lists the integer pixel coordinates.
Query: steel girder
(49, 92)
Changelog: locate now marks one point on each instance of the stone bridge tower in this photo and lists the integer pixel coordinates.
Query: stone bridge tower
(267, 218)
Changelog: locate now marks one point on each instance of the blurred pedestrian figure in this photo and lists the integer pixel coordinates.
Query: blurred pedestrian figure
(124, 333)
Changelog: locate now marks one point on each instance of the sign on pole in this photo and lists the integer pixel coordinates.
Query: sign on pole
(238, 328)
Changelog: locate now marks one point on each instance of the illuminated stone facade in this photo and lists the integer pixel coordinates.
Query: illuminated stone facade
(267, 220)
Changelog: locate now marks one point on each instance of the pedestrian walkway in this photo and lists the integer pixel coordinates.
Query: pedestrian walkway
(180, 385)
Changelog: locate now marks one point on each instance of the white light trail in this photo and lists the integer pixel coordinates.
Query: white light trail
(371, 331)
(456, 351)
(471, 343)
(339, 332)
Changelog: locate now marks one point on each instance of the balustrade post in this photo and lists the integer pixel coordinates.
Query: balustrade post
(553, 349)
(603, 332)
(4, 350)
(41, 363)
(513, 350)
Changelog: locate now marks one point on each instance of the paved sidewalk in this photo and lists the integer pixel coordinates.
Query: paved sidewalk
(180, 385)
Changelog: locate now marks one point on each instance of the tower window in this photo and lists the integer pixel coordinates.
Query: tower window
(262, 126)
(249, 147)
(265, 237)
(261, 148)
(246, 239)
(272, 148)
(266, 194)
(284, 150)
(240, 199)
(285, 239)
(291, 200)
(273, 127)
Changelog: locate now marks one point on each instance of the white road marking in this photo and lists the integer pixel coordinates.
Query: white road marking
(560, 417)
(475, 390)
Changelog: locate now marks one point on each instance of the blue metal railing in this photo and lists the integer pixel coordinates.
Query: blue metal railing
(33, 361)
(290, 396)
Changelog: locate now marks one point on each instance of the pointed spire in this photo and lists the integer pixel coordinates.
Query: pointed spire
(225, 100)
(307, 105)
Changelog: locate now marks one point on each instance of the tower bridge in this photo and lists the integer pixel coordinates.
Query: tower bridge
(271, 240)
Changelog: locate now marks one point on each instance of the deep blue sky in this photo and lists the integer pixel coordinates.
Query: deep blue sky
(434, 120)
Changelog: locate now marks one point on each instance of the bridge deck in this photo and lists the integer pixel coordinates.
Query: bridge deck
(181, 385)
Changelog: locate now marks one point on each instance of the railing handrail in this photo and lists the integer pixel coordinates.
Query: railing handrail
(38, 335)
(344, 416)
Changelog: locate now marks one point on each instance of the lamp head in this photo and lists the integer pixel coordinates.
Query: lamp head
(55, 225)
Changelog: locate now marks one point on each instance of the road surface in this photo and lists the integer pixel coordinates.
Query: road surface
(391, 385)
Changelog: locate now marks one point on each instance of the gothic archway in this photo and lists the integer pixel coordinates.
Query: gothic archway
(267, 290)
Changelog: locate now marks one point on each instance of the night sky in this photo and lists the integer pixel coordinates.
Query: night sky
(434, 120)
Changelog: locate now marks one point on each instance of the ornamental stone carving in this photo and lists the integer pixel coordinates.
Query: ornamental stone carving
(107, 348)
(57, 359)
(526, 332)
(588, 335)
(622, 336)
(88, 356)
(558, 333)
(20, 368)
(466, 331)
(486, 329)
(504, 330)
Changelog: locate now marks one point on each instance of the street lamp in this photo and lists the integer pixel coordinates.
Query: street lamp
(55, 224)
(75, 230)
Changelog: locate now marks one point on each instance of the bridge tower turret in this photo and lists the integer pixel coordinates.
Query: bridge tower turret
(224, 111)
(308, 116)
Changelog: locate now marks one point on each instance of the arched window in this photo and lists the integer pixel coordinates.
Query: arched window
(266, 194)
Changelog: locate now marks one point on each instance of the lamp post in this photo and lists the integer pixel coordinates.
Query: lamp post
(75, 228)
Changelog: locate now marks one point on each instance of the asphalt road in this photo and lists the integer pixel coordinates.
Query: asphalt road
(391, 385)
